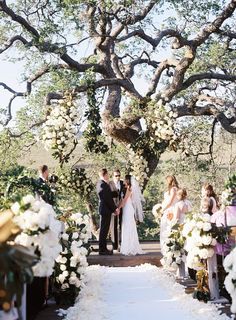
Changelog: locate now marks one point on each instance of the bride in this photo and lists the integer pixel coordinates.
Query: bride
(132, 211)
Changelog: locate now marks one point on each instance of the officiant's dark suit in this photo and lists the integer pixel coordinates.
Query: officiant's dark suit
(106, 208)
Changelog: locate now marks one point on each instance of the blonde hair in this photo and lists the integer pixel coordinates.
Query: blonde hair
(171, 182)
(206, 205)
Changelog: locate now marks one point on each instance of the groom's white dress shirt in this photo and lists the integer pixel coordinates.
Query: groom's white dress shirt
(117, 184)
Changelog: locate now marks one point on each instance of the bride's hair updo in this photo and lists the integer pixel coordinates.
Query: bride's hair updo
(171, 182)
(128, 180)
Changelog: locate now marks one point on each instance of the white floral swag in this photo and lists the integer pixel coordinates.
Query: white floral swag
(40, 232)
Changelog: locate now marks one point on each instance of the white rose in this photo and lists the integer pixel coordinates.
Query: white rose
(207, 226)
(199, 224)
(15, 208)
(206, 240)
(61, 278)
(65, 236)
(75, 235)
(65, 286)
(62, 267)
(73, 262)
(203, 253)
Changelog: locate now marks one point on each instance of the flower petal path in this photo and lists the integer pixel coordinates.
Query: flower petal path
(143, 292)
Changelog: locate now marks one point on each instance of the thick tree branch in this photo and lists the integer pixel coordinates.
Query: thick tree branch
(157, 76)
(214, 26)
(44, 70)
(18, 19)
(129, 69)
(180, 40)
(49, 47)
(209, 110)
(12, 40)
(231, 35)
(132, 20)
(15, 94)
(123, 83)
(206, 76)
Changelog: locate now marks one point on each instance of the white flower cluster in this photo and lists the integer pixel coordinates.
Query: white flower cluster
(161, 121)
(199, 240)
(72, 261)
(226, 198)
(139, 166)
(78, 180)
(40, 231)
(173, 248)
(60, 126)
(230, 280)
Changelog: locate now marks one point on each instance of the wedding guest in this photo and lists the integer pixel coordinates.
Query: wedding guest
(43, 173)
(207, 205)
(107, 207)
(43, 188)
(208, 191)
(170, 199)
(181, 207)
(117, 187)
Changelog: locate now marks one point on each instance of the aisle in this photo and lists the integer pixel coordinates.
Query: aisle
(139, 293)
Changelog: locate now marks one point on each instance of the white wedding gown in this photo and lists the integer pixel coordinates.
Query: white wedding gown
(129, 236)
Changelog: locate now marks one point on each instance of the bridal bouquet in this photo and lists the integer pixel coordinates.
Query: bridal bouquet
(157, 212)
(40, 232)
(200, 240)
(173, 248)
(72, 261)
(230, 280)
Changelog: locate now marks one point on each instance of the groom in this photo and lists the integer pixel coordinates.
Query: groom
(117, 186)
(106, 208)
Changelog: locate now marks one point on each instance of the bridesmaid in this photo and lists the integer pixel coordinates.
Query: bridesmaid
(170, 199)
(208, 191)
(182, 207)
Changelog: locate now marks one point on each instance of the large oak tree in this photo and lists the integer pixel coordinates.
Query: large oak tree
(141, 53)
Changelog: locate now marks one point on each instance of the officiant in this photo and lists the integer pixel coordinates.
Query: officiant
(117, 187)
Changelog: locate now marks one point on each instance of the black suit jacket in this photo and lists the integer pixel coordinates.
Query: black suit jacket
(122, 189)
(43, 189)
(106, 203)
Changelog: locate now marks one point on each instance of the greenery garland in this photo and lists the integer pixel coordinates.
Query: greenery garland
(93, 132)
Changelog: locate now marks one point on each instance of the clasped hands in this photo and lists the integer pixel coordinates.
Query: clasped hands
(117, 212)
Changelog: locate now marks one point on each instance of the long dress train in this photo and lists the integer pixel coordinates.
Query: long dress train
(129, 235)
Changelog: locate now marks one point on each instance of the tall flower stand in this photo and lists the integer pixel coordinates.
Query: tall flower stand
(213, 281)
